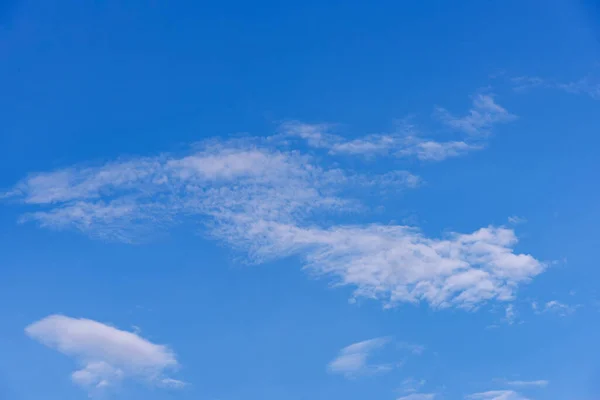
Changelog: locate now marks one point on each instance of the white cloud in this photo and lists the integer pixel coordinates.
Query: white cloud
(516, 220)
(264, 201)
(406, 143)
(484, 114)
(584, 86)
(510, 314)
(352, 360)
(397, 263)
(415, 349)
(106, 355)
(497, 395)
(429, 150)
(537, 383)
(411, 385)
(559, 308)
(418, 396)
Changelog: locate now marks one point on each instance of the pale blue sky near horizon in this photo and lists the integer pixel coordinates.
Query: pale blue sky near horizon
(234, 181)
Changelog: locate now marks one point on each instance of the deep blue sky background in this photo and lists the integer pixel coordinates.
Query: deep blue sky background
(91, 81)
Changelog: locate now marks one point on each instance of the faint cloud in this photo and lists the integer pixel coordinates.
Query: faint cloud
(352, 360)
(515, 220)
(411, 385)
(510, 314)
(536, 383)
(484, 114)
(415, 349)
(559, 308)
(404, 144)
(418, 396)
(106, 355)
(585, 86)
(497, 395)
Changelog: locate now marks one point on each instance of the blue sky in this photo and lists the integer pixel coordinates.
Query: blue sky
(339, 200)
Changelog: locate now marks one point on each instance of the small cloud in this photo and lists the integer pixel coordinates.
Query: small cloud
(535, 307)
(497, 395)
(172, 383)
(418, 396)
(106, 355)
(515, 220)
(411, 385)
(403, 144)
(415, 349)
(536, 383)
(585, 86)
(483, 115)
(510, 314)
(352, 360)
(559, 308)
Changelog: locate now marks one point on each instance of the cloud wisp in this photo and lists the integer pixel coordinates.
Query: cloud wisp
(106, 355)
(535, 383)
(404, 144)
(418, 396)
(484, 114)
(353, 360)
(497, 395)
(558, 308)
(585, 86)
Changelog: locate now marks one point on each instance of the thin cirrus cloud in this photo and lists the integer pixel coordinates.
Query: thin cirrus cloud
(585, 86)
(484, 114)
(353, 359)
(497, 395)
(535, 383)
(418, 396)
(561, 309)
(405, 144)
(106, 355)
(266, 200)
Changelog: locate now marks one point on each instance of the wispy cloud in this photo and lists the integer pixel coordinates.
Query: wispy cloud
(585, 86)
(536, 383)
(407, 142)
(416, 349)
(106, 354)
(418, 396)
(404, 144)
(411, 385)
(516, 220)
(484, 114)
(497, 395)
(353, 360)
(561, 309)
(264, 201)
(510, 314)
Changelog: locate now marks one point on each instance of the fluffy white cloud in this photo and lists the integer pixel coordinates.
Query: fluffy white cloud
(484, 114)
(264, 201)
(352, 360)
(397, 263)
(106, 354)
(497, 395)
